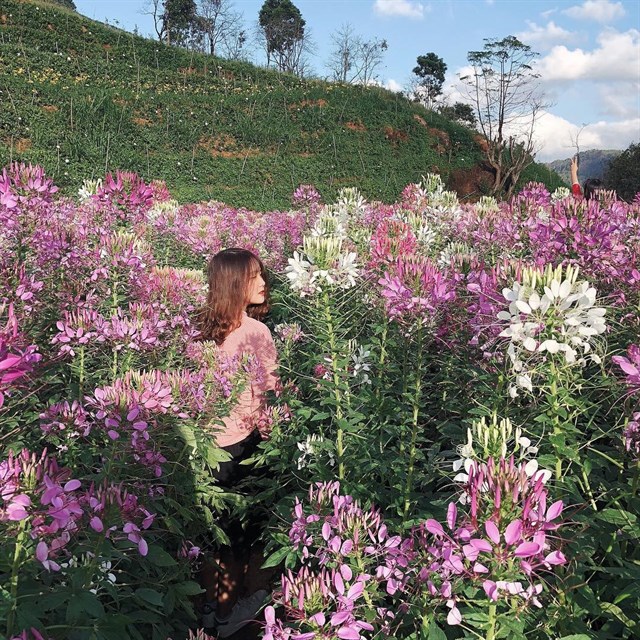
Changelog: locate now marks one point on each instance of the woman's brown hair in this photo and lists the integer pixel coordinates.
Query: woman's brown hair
(229, 273)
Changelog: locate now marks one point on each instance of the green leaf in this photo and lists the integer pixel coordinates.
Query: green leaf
(576, 636)
(188, 588)
(617, 517)
(618, 613)
(435, 632)
(149, 595)
(82, 603)
(159, 557)
(276, 558)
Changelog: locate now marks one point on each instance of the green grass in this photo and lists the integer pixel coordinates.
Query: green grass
(82, 98)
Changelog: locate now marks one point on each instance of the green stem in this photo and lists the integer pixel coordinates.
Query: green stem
(14, 582)
(81, 374)
(414, 429)
(378, 392)
(636, 480)
(556, 420)
(114, 365)
(491, 624)
(336, 384)
(589, 490)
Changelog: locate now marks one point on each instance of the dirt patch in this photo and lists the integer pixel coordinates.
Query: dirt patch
(355, 126)
(107, 47)
(3, 18)
(50, 108)
(395, 136)
(308, 103)
(141, 122)
(470, 184)
(50, 27)
(481, 142)
(225, 146)
(188, 71)
(22, 145)
(420, 120)
(442, 141)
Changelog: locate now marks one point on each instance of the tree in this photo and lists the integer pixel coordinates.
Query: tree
(354, 60)
(220, 24)
(343, 55)
(623, 173)
(460, 111)
(178, 20)
(370, 56)
(504, 91)
(283, 29)
(175, 21)
(430, 71)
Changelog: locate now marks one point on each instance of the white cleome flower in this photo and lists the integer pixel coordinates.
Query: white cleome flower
(323, 264)
(550, 313)
(89, 188)
(361, 366)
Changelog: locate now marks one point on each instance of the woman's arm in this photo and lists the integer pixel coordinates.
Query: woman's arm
(575, 183)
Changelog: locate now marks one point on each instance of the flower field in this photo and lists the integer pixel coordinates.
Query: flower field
(454, 453)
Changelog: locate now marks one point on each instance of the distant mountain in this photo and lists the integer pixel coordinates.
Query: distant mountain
(593, 164)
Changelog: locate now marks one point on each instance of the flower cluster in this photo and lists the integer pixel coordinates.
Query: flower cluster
(630, 367)
(550, 312)
(16, 358)
(496, 439)
(127, 190)
(340, 545)
(22, 184)
(502, 544)
(416, 289)
(35, 490)
(631, 436)
(323, 264)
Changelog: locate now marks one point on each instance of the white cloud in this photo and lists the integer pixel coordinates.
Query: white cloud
(599, 10)
(404, 8)
(393, 85)
(544, 37)
(554, 136)
(623, 103)
(616, 58)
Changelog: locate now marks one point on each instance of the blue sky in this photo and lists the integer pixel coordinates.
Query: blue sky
(589, 51)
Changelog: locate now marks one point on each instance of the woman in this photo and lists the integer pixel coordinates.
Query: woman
(238, 298)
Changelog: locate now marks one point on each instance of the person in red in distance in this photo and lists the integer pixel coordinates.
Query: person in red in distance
(237, 299)
(591, 185)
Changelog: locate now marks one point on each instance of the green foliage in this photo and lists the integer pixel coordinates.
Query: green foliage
(623, 174)
(430, 71)
(82, 98)
(282, 25)
(177, 19)
(459, 111)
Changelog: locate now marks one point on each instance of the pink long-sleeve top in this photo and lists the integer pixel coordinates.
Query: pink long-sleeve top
(251, 337)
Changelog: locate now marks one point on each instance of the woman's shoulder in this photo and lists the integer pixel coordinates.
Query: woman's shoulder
(252, 325)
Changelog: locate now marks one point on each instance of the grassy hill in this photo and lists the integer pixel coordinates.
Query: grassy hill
(593, 164)
(83, 98)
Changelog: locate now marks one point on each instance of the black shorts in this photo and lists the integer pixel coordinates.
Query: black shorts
(230, 473)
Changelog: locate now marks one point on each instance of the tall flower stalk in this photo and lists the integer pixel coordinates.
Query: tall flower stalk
(416, 404)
